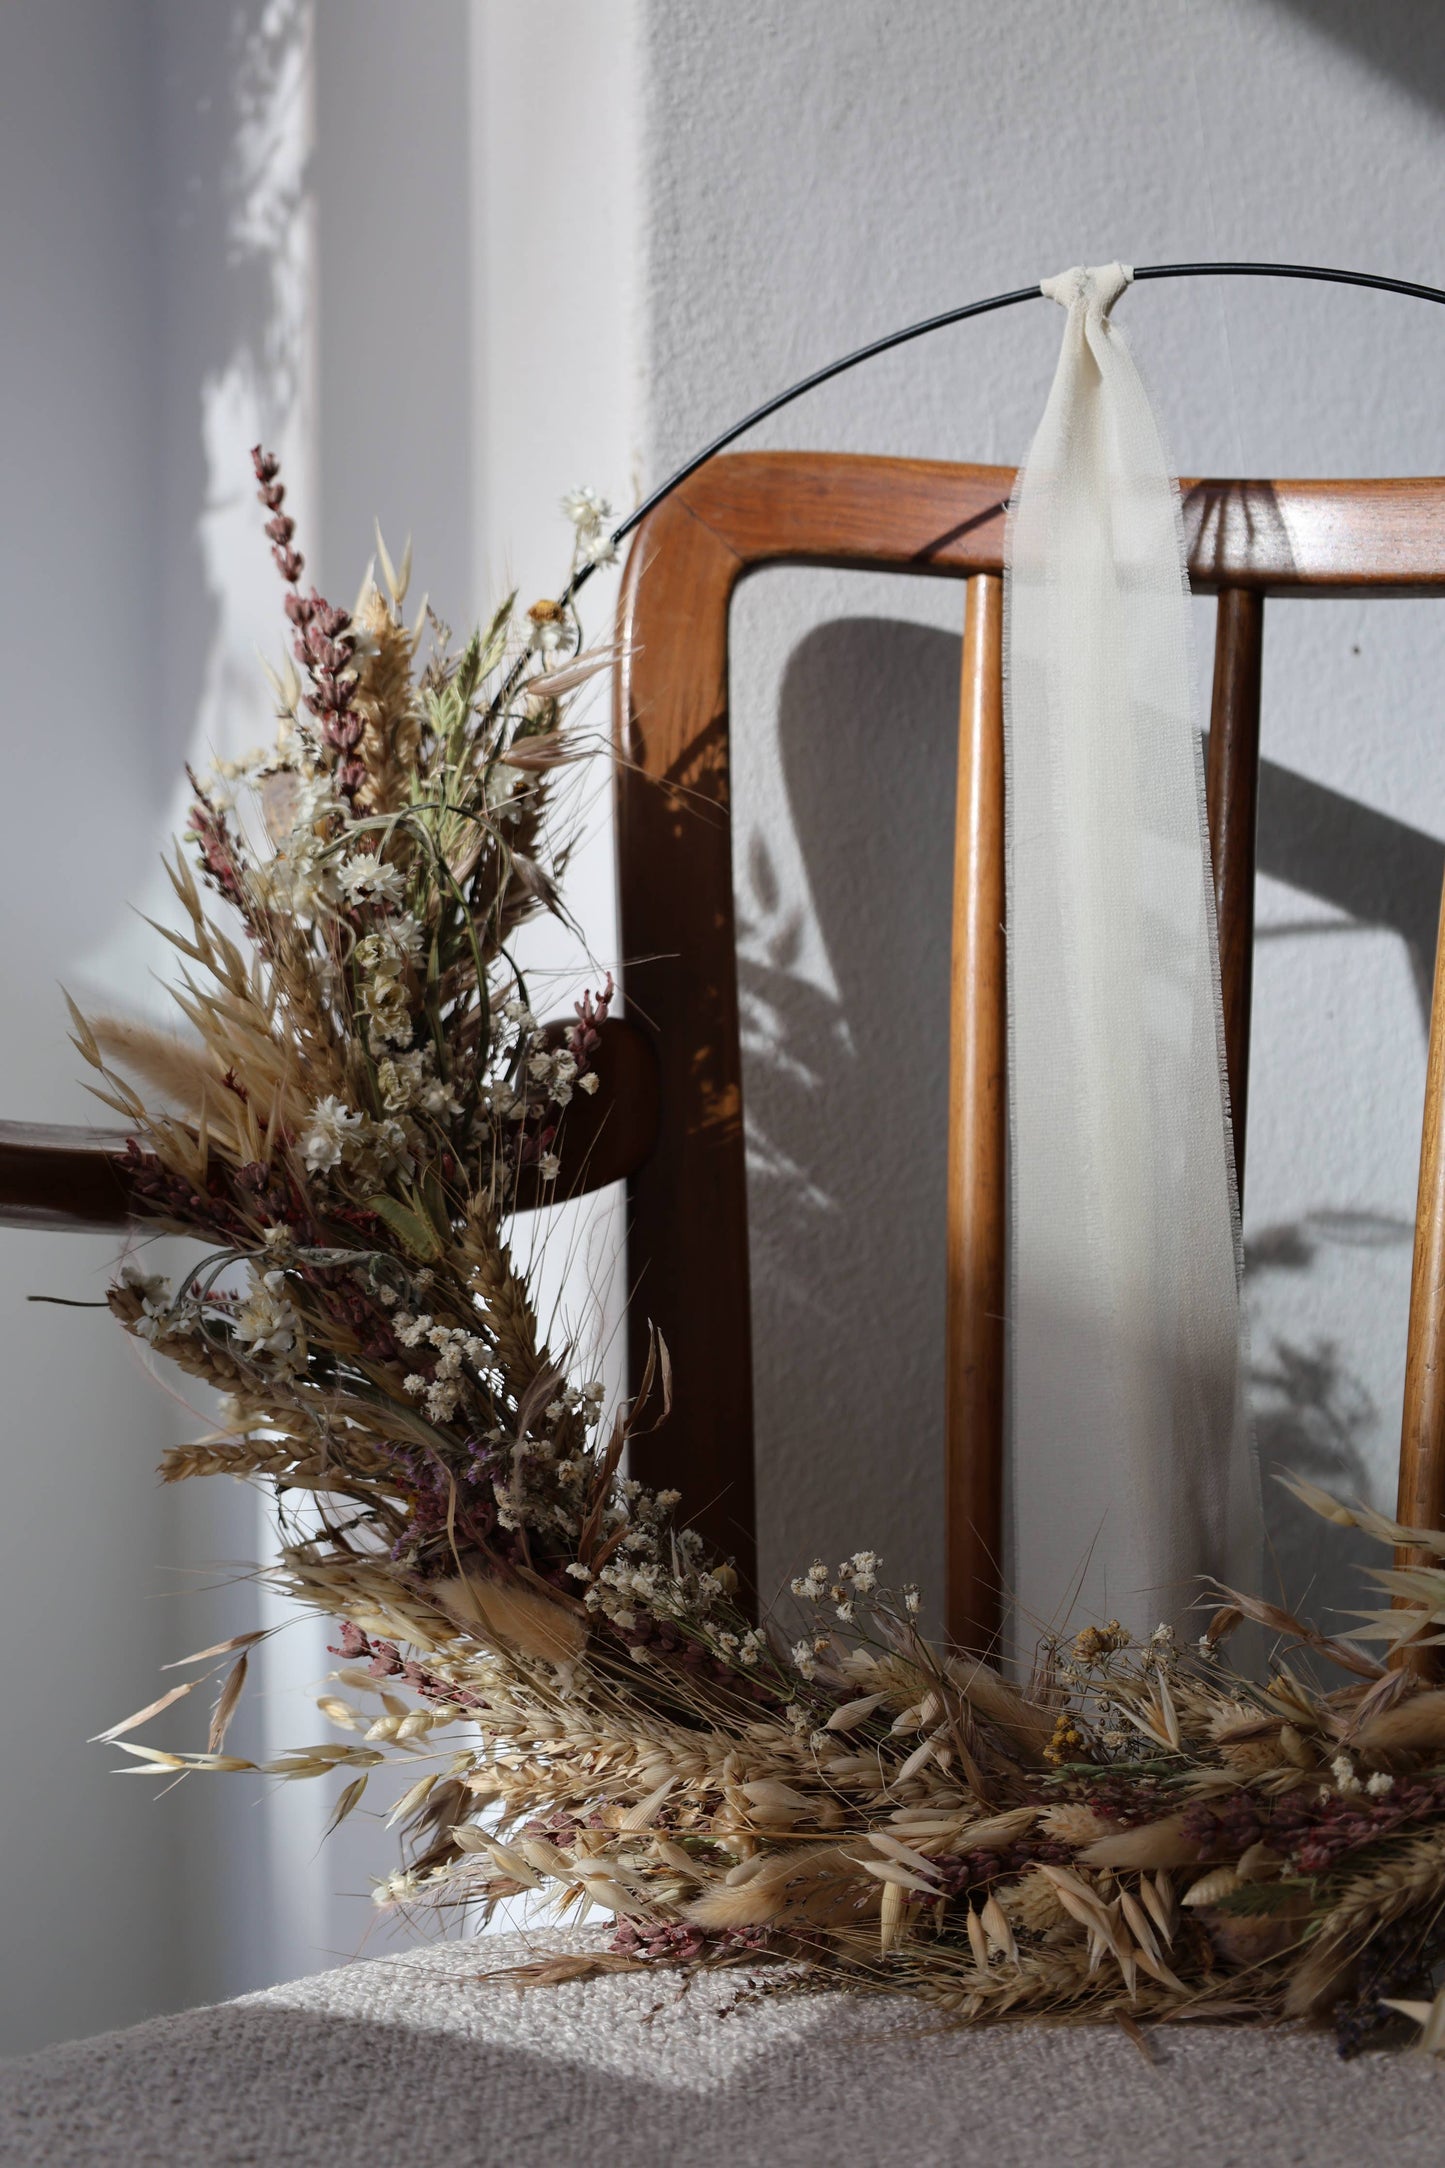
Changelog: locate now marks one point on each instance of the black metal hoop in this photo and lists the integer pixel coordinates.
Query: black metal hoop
(983, 308)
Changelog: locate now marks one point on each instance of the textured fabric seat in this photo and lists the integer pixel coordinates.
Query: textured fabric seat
(419, 2058)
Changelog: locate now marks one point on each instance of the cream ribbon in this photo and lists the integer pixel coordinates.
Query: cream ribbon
(1131, 1467)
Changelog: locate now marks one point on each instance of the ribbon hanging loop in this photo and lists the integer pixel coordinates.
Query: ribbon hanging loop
(1131, 1468)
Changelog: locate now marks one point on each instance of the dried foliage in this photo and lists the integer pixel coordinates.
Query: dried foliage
(574, 1694)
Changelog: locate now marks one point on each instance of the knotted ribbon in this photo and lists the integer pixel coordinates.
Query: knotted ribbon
(1132, 1471)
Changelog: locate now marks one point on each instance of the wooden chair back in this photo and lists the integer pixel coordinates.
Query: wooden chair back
(669, 1115)
(688, 1245)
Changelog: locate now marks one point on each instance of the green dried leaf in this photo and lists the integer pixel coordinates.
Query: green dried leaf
(412, 1228)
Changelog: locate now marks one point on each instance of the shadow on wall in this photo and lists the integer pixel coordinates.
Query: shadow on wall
(1379, 870)
(845, 1088)
(846, 1092)
(1400, 38)
(1314, 1417)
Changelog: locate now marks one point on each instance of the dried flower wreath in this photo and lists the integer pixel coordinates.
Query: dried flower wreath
(579, 1700)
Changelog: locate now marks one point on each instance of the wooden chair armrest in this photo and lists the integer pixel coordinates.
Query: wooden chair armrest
(76, 1179)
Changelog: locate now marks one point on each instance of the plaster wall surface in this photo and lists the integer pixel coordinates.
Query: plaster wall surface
(80, 1520)
(312, 222)
(816, 175)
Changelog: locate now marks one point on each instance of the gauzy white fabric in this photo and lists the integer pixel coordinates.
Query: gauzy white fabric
(1131, 1468)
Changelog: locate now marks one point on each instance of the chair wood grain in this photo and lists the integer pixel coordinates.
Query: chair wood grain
(977, 1117)
(1232, 785)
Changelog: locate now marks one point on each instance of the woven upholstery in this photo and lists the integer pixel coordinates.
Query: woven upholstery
(415, 2059)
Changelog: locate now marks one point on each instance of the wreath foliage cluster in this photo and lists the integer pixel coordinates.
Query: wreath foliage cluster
(576, 1697)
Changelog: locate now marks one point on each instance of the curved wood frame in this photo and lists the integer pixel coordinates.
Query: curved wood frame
(688, 1257)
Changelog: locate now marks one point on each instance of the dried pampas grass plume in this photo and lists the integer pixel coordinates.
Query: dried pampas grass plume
(185, 1073)
(513, 1616)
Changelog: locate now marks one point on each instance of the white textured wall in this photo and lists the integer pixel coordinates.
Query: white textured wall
(82, 1524)
(327, 224)
(822, 172)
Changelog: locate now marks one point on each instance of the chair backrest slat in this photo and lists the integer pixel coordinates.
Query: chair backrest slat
(1422, 1429)
(977, 1131)
(1232, 783)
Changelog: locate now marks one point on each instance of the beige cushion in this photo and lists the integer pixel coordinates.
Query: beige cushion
(413, 2059)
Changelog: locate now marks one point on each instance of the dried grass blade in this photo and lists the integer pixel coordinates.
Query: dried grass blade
(143, 1716)
(350, 1798)
(221, 1648)
(226, 1702)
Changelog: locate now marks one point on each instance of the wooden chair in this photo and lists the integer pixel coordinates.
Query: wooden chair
(688, 1254)
(681, 1145)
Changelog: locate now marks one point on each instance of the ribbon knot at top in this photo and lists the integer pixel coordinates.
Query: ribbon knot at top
(1095, 288)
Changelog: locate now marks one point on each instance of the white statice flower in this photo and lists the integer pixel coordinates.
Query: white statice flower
(403, 1078)
(296, 882)
(439, 1100)
(548, 630)
(589, 1082)
(383, 996)
(549, 1166)
(751, 1648)
(365, 878)
(845, 1611)
(396, 1889)
(219, 779)
(1379, 1784)
(328, 1134)
(579, 1572)
(394, 943)
(316, 801)
(266, 1323)
(586, 510)
(391, 1141)
(599, 548)
(152, 1287)
(1342, 1769)
(564, 1071)
(912, 1602)
(411, 1331)
(156, 1318)
(803, 1658)
(442, 1398)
